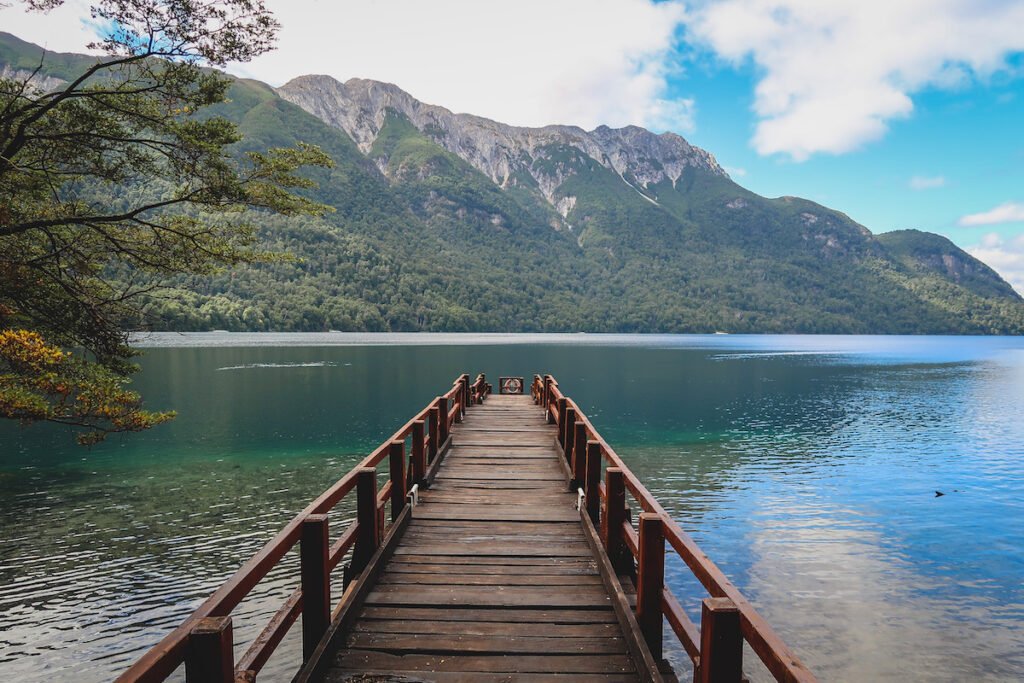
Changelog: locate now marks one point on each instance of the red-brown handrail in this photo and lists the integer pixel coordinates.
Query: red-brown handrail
(432, 424)
(769, 647)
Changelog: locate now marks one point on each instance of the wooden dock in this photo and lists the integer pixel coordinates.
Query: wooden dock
(493, 578)
(511, 555)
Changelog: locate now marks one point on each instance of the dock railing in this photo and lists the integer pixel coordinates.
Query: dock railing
(727, 618)
(204, 641)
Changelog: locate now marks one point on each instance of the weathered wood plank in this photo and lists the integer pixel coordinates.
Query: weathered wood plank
(494, 579)
(565, 664)
(490, 569)
(426, 558)
(516, 616)
(461, 644)
(363, 676)
(491, 628)
(497, 513)
(475, 596)
(416, 579)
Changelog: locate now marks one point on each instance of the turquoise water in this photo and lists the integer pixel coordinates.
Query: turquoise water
(805, 466)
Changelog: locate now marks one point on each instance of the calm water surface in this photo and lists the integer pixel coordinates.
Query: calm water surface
(805, 466)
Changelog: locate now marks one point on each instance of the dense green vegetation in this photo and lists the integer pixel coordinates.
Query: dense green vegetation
(420, 240)
(113, 176)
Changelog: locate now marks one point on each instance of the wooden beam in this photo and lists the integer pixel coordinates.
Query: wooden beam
(721, 642)
(419, 455)
(396, 457)
(315, 581)
(651, 580)
(593, 481)
(210, 656)
(641, 654)
(366, 514)
(347, 610)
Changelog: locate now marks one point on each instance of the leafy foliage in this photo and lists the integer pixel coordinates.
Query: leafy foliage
(42, 382)
(422, 241)
(123, 166)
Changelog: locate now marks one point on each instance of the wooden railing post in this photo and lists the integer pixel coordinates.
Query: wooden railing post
(651, 580)
(433, 425)
(367, 537)
(568, 429)
(459, 395)
(465, 394)
(419, 455)
(612, 520)
(721, 643)
(314, 551)
(593, 479)
(578, 464)
(546, 401)
(562, 407)
(396, 455)
(210, 655)
(442, 425)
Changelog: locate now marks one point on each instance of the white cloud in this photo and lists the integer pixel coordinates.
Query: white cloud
(836, 73)
(532, 62)
(926, 182)
(736, 171)
(1008, 212)
(67, 28)
(1005, 256)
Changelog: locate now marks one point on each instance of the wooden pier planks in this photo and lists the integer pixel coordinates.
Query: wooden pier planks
(493, 578)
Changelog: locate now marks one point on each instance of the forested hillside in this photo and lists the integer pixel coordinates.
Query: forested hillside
(431, 234)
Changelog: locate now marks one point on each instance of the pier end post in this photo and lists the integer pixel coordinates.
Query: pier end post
(210, 656)
(314, 551)
(651, 581)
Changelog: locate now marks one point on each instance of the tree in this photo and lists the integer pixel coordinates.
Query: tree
(124, 165)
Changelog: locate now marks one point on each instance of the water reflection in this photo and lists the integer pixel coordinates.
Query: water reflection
(806, 467)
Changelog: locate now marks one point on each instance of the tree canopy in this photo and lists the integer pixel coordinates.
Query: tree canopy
(123, 165)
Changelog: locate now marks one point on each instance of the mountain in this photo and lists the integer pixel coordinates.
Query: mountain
(454, 222)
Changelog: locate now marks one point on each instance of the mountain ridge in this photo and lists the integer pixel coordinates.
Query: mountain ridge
(500, 151)
(465, 224)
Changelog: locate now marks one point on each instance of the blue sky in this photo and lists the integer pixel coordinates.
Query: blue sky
(960, 152)
(901, 113)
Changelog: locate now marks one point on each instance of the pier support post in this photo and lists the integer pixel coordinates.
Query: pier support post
(578, 464)
(612, 520)
(419, 455)
(433, 424)
(396, 456)
(210, 656)
(546, 400)
(314, 551)
(593, 489)
(651, 581)
(442, 425)
(367, 537)
(561, 420)
(568, 429)
(721, 643)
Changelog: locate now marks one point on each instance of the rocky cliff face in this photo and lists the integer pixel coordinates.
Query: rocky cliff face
(38, 82)
(509, 155)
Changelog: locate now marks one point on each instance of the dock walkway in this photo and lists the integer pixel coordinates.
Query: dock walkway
(507, 542)
(493, 578)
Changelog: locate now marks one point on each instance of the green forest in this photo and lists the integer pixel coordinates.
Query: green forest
(420, 240)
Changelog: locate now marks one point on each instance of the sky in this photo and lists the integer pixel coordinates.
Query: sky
(900, 113)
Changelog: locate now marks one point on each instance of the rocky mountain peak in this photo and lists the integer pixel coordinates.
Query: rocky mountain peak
(507, 154)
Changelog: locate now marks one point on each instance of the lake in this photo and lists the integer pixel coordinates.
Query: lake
(807, 467)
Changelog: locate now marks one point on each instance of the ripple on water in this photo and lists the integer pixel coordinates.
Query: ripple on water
(809, 478)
